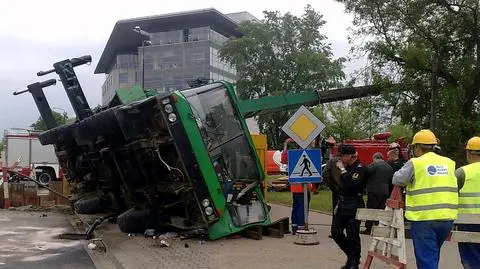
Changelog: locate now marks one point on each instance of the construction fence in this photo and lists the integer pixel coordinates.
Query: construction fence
(28, 193)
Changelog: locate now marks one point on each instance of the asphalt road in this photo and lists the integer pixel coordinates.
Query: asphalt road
(27, 240)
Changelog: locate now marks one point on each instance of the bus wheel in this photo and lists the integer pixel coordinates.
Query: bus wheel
(87, 205)
(135, 221)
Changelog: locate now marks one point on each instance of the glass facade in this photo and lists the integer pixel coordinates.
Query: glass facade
(173, 58)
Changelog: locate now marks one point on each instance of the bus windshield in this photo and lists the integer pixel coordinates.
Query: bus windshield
(222, 132)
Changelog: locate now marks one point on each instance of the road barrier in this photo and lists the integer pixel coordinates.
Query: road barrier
(388, 242)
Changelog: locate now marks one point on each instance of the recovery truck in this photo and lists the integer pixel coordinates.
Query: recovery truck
(183, 159)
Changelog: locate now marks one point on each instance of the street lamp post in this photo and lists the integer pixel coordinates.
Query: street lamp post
(143, 33)
(434, 93)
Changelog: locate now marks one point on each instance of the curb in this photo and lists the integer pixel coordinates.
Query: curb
(313, 210)
(94, 256)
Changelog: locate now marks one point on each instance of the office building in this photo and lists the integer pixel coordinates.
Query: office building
(164, 52)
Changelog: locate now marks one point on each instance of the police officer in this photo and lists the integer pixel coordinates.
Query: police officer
(469, 202)
(431, 198)
(331, 178)
(352, 181)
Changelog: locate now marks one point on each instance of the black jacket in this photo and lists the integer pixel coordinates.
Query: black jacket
(351, 193)
(331, 175)
(380, 175)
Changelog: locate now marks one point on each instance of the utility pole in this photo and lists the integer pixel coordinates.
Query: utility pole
(141, 34)
(434, 94)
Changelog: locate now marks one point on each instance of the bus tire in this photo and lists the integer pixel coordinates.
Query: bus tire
(87, 205)
(135, 220)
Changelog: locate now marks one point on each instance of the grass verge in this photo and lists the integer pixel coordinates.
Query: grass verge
(321, 202)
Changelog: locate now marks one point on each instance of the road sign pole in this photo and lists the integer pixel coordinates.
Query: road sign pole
(303, 127)
(305, 204)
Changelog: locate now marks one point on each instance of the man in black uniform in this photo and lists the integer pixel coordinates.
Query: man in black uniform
(331, 178)
(352, 181)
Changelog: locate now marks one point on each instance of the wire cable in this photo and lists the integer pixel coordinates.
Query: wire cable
(39, 184)
(170, 168)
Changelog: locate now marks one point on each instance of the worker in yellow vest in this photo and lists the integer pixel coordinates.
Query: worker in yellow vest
(431, 198)
(469, 202)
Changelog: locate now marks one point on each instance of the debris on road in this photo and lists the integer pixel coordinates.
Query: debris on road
(55, 208)
(149, 232)
(164, 243)
(169, 235)
(92, 246)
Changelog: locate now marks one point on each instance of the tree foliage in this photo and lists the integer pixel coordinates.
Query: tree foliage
(406, 41)
(354, 119)
(400, 130)
(60, 119)
(281, 54)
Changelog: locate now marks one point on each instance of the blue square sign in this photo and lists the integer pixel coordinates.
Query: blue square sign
(304, 165)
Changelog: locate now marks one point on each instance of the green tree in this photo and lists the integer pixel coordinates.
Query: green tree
(39, 125)
(400, 130)
(354, 119)
(281, 54)
(414, 41)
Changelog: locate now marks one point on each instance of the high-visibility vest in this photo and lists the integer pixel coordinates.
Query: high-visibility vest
(299, 187)
(433, 195)
(469, 194)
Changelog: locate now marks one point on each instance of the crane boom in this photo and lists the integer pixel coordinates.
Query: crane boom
(254, 107)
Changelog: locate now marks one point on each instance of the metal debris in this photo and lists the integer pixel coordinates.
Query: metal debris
(92, 246)
(149, 232)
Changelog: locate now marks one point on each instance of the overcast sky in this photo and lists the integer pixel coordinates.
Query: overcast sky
(35, 34)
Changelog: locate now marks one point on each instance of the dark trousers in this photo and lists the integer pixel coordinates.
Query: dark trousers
(469, 252)
(298, 214)
(375, 201)
(335, 198)
(349, 244)
(428, 238)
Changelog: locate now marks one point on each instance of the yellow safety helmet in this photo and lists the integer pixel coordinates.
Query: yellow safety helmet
(473, 143)
(425, 137)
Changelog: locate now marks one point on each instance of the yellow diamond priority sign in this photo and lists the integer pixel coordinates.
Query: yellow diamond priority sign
(303, 127)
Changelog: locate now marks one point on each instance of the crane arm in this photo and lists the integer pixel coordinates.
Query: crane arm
(254, 107)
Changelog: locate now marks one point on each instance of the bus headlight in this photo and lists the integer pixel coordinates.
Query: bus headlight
(165, 101)
(205, 202)
(168, 108)
(209, 211)
(172, 117)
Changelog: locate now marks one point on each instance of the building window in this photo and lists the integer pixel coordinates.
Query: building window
(186, 35)
(127, 61)
(199, 34)
(216, 62)
(169, 37)
(123, 78)
(217, 38)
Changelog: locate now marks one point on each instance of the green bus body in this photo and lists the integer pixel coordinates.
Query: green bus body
(223, 224)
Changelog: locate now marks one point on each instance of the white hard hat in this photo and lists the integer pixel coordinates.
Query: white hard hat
(394, 145)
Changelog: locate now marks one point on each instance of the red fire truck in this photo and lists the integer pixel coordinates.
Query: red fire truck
(365, 147)
(23, 151)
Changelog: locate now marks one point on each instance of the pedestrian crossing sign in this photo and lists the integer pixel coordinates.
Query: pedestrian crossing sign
(304, 165)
